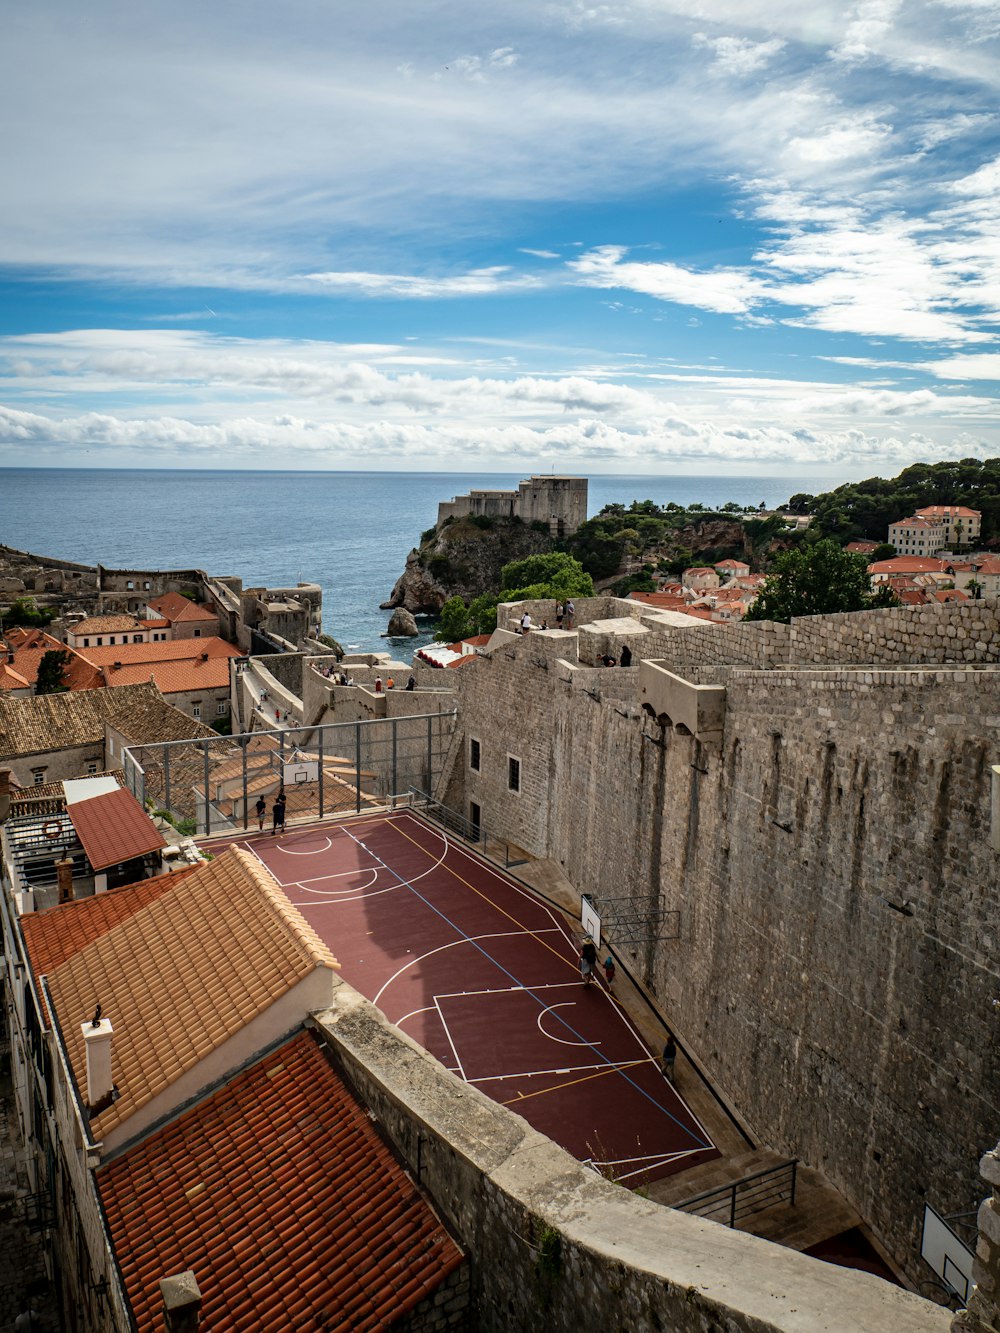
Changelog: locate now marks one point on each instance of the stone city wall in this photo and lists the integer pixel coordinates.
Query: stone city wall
(554, 1245)
(950, 632)
(831, 869)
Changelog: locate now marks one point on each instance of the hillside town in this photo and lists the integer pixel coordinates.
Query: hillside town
(215, 1119)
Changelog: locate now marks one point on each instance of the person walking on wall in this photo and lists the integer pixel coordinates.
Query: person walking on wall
(261, 808)
(378, 684)
(278, 814)
(570, 613)
(669, 1057)
(588, 960)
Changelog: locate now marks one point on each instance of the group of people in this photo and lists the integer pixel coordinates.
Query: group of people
(277, 812)
(588, 968)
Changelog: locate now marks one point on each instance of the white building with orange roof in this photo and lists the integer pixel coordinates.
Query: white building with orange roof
(187, 619)
(883, 571)
(102, 631)
(194, 677)
(917, 536)
(961, 525)
(732, 569)
(699, 578)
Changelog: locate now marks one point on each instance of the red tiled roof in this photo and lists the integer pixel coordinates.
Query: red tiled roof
(30, 646)
(175, 667)
(914, 523)
(11, 679)
(59, 933)
(113, 624)
(732, 564)
(991, 566)
(155, 624)
(908, 564)
(174, 606)
(949, 511)
(912, 596)
(279, 1195)
(114, 828)
(861, 547)
(951, 595)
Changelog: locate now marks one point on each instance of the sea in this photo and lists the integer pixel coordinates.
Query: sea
(350, 532)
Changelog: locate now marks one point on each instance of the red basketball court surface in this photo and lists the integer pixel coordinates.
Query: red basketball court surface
(486, 977)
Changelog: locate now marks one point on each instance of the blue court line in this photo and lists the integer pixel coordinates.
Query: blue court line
(527, 989)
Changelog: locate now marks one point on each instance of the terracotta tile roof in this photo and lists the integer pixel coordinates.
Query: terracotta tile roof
(861, 547)
(61, 721)
(114, 828)
(912, 596)
(907, 564)
(104, 625)
(175, 667)
(949, 511)
(174, 606)
(55, 935)
(30, 646)
(699, 569)
(11, 679)
(279, 1195)
(155, 624)
(919, 523)
(732, 564)
(184, 974)
(988, 566)
(951, 595)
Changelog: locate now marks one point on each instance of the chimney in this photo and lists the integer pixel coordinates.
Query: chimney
(204, 657)
(97, 1036)
(64, 879)
(116, 666)
(4, 793)
(181, 1302)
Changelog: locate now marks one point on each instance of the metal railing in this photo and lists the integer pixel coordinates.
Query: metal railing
(492, 847)
(750, 1194)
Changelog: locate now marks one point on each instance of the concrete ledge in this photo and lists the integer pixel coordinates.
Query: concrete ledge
(701, 709)
(548, 1235)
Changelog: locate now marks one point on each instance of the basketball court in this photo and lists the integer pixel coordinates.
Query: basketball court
(485, 976)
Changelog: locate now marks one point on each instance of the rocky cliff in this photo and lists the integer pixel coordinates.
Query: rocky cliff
(464, 559)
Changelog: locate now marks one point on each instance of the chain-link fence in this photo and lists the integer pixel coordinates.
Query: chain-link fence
(211, 786)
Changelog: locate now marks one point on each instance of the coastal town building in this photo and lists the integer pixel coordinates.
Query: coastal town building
(193, 675)
(935, 528)
(186, 619)
(961, 525)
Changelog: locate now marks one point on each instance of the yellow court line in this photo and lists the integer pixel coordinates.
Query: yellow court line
(524, 929)
(558, 1087)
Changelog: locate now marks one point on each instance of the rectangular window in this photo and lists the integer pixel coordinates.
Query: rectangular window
(38, 776)
(137, 638)
(221, 709)
(99, 641)
(197, 634)
(196, 710)
(513, 773)
(146, 585)
(129, 585)
(86, 643)
(91, 767)
(475, 754)
(475, 820)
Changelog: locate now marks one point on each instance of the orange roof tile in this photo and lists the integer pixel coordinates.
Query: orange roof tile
(907, 564)
(919, 523)
(184, 974)
(175, 667)
(951, 595)
(949, 511)
(57, 934)
(30, 646)
(116, 624)
(280, 1196)
(114, 828)
(861, 547)
(11, 679)
(991, 566)
(174, 606)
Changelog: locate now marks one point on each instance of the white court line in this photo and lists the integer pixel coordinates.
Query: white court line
(313, 851)
(413, 1013)
(453, 944)
(563, 1004)
(318, 879)
(544, 1073)
(454, 1052)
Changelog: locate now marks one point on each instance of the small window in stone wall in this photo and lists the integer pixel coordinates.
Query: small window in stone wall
(38, 776)
(475, 755)
(196, 710)
(513, 773)
(222, 708)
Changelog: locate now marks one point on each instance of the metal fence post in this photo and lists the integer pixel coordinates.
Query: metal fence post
(322, 732)
(357, 767)
(395, 785)
(430, 754)
(244, 742)
(166, 778)
(208, 817)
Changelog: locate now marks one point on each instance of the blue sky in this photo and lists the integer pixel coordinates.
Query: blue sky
(752, 236)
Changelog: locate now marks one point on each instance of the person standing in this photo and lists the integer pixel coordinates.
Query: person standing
(378, 684)
(278, 814)
(261, 808)
(411, 684)
(669, 1058)
(525, 623)
(570, 613)
(559, 615)
(609, 969)
(588, 960)
(626, 657)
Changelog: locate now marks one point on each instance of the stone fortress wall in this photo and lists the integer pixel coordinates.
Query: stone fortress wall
(560, 502)
(828, 859)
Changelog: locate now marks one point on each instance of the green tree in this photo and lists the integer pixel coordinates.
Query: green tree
(883, 552)
(454, 622)
(817, 580)
(554, 569)
(25, 612)
(51, 672)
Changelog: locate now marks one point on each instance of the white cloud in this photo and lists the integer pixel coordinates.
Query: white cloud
(727, 291)
(740, 56)
(477, 282)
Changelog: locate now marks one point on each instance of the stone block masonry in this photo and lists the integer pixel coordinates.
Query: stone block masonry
(832, 871)
(555, 1247)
